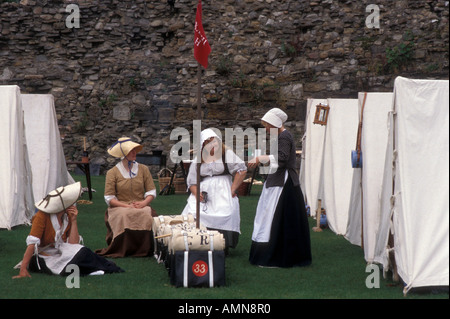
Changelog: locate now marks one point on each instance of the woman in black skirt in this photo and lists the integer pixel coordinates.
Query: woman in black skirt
(54, 242)
(281, 232)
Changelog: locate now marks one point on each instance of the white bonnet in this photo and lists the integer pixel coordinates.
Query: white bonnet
(275, 117)
(206, 134)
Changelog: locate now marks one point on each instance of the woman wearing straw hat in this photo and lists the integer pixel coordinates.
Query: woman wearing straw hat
(53, 242)
(129, 190)
(281, 232)
(219, 205)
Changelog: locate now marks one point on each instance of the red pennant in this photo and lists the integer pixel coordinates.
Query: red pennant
(202, 48)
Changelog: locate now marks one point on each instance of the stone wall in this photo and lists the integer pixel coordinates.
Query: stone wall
(129, 70)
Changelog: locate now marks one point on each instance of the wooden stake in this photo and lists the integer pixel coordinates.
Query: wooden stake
(317, 229)
(163, 236)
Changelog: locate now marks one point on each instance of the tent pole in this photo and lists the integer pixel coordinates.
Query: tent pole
(362, 211)
(358, 150)
(317, 229)
(391, 242)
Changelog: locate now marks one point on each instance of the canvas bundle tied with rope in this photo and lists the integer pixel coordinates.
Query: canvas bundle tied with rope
(193, 256)
(196, 239)
(162, 227)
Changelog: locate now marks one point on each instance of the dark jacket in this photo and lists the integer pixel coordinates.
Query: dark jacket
(286, 161)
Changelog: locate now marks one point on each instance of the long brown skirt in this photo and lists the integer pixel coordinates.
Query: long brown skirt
(129, 232)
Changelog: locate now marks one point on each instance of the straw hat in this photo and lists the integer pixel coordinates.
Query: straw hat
(59, 199)
(275, 117)
(123, 146)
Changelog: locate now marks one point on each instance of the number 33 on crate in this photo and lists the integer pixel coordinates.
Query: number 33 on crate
(196, 268)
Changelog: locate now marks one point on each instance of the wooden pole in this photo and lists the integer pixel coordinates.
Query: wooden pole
(199, 154)
(361, 180)
(318, 214)
(391, 241)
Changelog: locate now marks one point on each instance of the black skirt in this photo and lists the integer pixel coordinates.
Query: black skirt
(289, 244)
(85, 259)
(88, 262)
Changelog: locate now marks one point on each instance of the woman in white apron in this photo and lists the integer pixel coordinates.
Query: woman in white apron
(53, 242)
(219, 204)
(281, 232)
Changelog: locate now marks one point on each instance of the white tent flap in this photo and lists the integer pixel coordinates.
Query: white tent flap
(421, 181)
(340, 140)
(326, 166)
(45, 150)
(367, 183)
(312, 157)
(16, 198)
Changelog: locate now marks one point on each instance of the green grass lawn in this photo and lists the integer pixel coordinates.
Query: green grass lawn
(337, 271)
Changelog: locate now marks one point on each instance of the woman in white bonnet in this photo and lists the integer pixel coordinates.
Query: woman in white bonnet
(219, 204)
(281, 232)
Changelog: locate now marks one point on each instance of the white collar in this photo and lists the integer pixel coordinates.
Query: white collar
(124, 171)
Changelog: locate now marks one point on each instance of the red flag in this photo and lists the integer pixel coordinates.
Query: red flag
(201, 45)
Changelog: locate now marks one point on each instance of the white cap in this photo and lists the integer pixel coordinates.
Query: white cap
(275, 117)
(206, 134)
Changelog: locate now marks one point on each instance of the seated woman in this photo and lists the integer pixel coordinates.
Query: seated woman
(219, 205)
(53, 242)
(129, 190)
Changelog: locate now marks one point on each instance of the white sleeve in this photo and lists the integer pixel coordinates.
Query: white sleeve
(108, 198)
(234, 162)
(192, 174)
(271, 168)
(32, 240)
(151, 193)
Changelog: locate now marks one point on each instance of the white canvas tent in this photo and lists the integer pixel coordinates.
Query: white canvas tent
(34, 163)
(415, 190)
(326, 160)
(46, 154)
(16, 198)
(367, 180)
(312, 157)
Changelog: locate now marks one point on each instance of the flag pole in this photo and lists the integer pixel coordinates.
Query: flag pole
(199, 154)
(201, 51)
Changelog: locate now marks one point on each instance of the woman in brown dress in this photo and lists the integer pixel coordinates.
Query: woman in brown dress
(129, 190)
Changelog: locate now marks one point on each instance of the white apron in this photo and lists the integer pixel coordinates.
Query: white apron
(265, 210)
(58, 256)
(221, 211)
